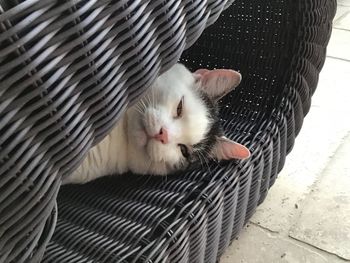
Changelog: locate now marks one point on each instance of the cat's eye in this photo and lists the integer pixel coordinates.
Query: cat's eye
(180, 108)
(184, 150)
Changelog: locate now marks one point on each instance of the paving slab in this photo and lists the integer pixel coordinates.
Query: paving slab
(324, 221)
(341, 11)
(323, 131)
(256, 245)
(339, 44)
(305, 215)
(342, 19)
(343, 2)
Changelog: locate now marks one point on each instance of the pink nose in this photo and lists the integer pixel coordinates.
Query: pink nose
(162, 136)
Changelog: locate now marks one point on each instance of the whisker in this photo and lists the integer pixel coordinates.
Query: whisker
(205, 160)
(139, 110)
(153, 100)
(166, 178)
(200, 159)
(148, 179)
(211, 157)
(150, 100)
(139, 104)
(143, 104)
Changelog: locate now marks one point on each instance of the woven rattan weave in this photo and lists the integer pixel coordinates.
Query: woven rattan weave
(68, 69)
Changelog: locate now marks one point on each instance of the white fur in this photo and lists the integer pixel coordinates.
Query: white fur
(129, 148)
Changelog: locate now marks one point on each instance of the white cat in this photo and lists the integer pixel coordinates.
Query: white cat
(174, 125)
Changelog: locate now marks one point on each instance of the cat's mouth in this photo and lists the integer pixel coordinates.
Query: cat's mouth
(147, 143)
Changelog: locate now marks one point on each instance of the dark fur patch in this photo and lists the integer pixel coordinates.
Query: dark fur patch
(203, 149)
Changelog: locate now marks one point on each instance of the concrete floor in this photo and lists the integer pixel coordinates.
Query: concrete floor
(306, 216)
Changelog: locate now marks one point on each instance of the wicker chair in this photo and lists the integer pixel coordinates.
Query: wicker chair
(69, 69)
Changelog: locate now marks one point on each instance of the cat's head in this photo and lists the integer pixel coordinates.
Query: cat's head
(177, 124)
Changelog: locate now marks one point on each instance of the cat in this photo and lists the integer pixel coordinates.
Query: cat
(174, 125)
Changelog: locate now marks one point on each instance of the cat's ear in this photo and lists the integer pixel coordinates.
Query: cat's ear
(217, 83)
(226, 149)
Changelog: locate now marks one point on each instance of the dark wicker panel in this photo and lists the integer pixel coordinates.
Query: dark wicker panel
(193, 217)
(68, 69)
(279, 46)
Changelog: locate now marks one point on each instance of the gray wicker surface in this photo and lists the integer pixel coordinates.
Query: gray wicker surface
(69, 69)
